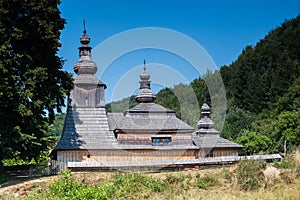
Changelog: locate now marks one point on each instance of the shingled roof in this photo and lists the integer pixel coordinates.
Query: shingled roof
(209, 142)
(86, 128)
(149, 108)
(207, 137)
(147, 116)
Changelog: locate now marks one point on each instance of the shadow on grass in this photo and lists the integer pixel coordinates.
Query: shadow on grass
(15, 180)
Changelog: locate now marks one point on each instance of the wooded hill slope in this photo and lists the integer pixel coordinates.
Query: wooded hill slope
(262, 89)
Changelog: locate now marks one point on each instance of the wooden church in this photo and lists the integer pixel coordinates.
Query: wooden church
(145, 135)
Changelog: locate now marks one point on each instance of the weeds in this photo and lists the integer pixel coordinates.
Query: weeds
(211, 179)
(283, 164)
(249, 175)
(200, 183)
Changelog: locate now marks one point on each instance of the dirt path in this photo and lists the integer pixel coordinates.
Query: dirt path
(19, 186)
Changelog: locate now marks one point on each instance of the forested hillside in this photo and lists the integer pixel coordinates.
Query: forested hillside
(263, 93)
(263, 88)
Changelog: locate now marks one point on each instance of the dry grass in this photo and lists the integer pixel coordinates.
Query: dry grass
(183, 186)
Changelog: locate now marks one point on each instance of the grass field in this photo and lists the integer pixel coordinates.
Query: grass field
(242, 181)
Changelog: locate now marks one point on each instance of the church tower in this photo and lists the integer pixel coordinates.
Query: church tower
(88, 90)
(86, 126)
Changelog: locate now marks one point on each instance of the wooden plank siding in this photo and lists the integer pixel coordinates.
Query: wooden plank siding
(124, 155)
(225, 152)
(218, 152)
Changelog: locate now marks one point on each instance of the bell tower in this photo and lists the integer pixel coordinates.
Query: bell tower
(88, 90)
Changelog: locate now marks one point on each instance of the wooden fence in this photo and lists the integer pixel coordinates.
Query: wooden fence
(52, 167)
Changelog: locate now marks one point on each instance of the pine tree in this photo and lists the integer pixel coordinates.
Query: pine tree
(33, 84)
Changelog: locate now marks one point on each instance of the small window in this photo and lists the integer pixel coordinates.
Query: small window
(165, 141)
(155, 141)
(161, 141)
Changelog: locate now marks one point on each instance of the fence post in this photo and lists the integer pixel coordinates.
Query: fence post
(30, 171)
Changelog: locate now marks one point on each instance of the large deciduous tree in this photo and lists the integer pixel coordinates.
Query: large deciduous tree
(32, 82)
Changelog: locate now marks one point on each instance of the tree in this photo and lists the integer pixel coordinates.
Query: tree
(261, 74)
(121, 105)
(253, 142)
(33, 84)
(55, 129)
(236, 120)
(168, 99)
(287, 129)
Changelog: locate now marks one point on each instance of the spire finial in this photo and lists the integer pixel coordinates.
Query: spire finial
(84, 30)
(145, 94)
(85, 54)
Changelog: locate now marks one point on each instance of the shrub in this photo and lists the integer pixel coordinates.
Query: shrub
(249, 175)
(130, 184)
(210, 179)
(283, 164)
(65, 186)
(181, 182)
(200, 183)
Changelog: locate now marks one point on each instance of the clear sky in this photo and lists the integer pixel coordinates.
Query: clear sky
(222, 28)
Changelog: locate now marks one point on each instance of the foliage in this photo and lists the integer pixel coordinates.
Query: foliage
(33, 84)
(124, 186)
(285, 164)
(210, 179)
(200, 183)
(290, 101)
(207, 180)
(236, 120)
(120, 185)
(168, 99)
(42, 158)
(249, 175)
(122, 105)
(287, 128)
(280, 129)
(253, 142)
(66, 186)
(56, 128)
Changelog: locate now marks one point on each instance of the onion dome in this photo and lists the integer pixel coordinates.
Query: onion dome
(145, 94)
(85, 65)
(145, 76)
(205, 122)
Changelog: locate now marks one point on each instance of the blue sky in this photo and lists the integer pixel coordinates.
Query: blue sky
(222, 28)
